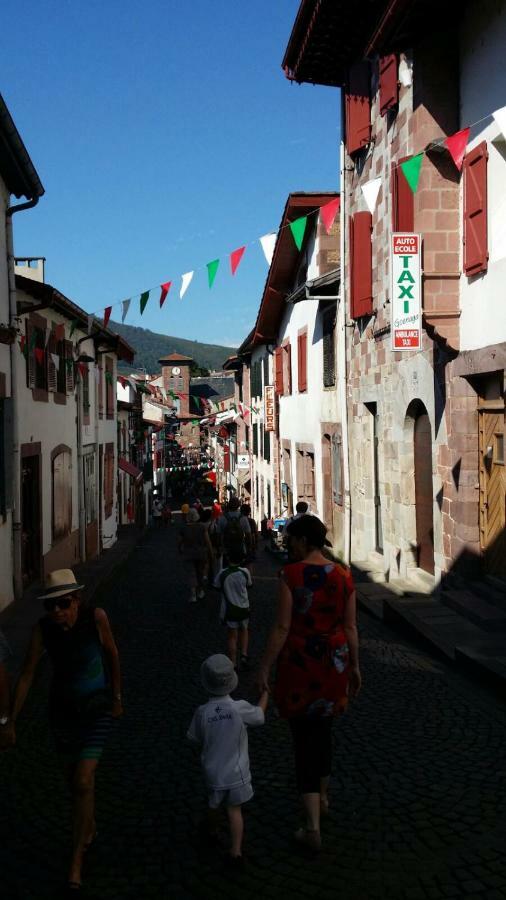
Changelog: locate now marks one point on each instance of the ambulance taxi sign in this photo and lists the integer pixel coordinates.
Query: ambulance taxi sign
(406, 291)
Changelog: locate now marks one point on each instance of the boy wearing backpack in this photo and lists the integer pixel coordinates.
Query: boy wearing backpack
(235, 532)
(233, 582)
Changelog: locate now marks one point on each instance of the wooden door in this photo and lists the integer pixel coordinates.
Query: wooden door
(493, 489)
(31, 526)
(424, 493)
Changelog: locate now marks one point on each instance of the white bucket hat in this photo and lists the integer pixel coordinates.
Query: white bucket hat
(218, 676)
(59, 583)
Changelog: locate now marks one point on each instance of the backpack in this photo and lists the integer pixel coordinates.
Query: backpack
(233, 538)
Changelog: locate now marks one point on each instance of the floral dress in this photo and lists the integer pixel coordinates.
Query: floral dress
(312, 672)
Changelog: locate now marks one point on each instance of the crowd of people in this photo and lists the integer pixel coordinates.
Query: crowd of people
(313, 643)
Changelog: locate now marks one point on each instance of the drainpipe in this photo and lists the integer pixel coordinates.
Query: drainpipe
(342, 368)
(15, 373)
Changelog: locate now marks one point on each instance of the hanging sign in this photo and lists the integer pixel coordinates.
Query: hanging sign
(270, 408)
(406, 291)
(243, 461)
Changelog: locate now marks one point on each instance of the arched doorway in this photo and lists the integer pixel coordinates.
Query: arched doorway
(423, 489)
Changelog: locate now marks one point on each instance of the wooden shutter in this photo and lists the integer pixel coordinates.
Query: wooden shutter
(278, 370)
(30, 355)
(358, 108)
(360, 265)
(403, 200)
(287, 350)
(475, 210)
(329, 347)
(309, 475)
(108, 479)
(388, 83)
(69, 369)
(109, 388)
(337, 469)
(52, 375)
(100, 391)
(302, 361)
(62, 494)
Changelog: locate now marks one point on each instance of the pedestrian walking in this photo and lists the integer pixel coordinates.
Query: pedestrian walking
(5, 653)
(219, 728)
(235, 531)
(157, 511)
(195, 547)
(85, 697)
(253, 543)
(166, 513)
(233, 582)
(315, 638)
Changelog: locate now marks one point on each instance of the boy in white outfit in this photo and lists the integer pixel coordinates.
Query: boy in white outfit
(219, 727)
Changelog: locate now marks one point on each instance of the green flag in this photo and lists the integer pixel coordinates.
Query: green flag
(144, 300)
(411, 170)
(298, 228)
(73, 326)
(212, 268)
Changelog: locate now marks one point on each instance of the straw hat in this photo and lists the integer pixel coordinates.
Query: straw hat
(59, 583)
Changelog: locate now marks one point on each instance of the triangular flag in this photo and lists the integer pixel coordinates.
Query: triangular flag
(59, 332)
(328, 213)
(500, 119)
(165, 290)
(212, 268)
(298, 228)
(268, 242)
(56, 361)
(39, 356)
(133, 382)
(411, 170)
(90, 323)
(73, 326)
(107, 315)
(235, 258)
(125, 304)
(185, 283)
(144, 299)
(370, 191)
(457, 144)
(33, 339)
(122, 380)
(108, 376)
(22, 344)
(83, 368)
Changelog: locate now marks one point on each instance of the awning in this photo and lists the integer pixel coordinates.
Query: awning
(130, 469)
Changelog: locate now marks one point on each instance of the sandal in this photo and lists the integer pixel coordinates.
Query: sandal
(309, 838)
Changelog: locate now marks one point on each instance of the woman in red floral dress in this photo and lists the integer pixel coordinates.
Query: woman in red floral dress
(315, 638)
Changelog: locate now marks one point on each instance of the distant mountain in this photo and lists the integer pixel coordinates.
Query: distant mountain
(150, 347)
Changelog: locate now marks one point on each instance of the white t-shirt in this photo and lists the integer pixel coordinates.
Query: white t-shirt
(235, 580)
(220, 727)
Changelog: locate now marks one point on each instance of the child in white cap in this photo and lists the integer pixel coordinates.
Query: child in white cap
(219, 727)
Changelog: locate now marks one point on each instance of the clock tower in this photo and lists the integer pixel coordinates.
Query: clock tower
(176, 378)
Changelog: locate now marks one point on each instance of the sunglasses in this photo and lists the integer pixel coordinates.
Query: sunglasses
(50, 603)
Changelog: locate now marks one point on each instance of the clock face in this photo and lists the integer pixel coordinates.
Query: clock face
(176, 370)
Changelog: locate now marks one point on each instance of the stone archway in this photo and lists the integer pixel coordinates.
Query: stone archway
(421, 496)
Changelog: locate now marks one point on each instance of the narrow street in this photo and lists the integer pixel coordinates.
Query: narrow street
(418, 800)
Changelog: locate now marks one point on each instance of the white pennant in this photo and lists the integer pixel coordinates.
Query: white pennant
(268, 242)
(370, 191)
(185, 283)
(56, 361)
(405, 73)
(90, 323)
(500, 119)
(125, 305)
(133, 383)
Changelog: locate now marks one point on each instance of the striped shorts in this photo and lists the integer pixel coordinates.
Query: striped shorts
(82, 740)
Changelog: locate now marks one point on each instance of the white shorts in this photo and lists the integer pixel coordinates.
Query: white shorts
(235, 796)
(238, 626)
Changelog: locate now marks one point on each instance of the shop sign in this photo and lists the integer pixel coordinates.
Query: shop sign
(270, 408)
(243, 461)
(406, 291)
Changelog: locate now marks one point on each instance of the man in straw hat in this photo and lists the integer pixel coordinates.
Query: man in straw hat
(85, 696)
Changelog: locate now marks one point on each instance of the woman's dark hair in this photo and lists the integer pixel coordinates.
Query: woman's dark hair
(246, 509)
(309, 527)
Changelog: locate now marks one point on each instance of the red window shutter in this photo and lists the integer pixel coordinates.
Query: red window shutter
(358, 108)
(302, 361)
(388, 83)
(361, 265)
(475, 210)
(278, 370)
(403, 200)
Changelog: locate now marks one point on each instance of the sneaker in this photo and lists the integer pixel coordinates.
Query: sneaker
(193, 597)
(201, 594)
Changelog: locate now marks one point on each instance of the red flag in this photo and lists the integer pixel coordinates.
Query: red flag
(457, 144)
(328, 212)
(235, 258)
(83, 368)
(39, 356)
(22, 343)
(165, 290)
(59, 332)
(107, 315)
(123, 381)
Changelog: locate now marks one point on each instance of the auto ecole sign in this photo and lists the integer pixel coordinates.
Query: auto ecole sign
(406, 291)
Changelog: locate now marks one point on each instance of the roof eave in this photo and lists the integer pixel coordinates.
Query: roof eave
(18, 172)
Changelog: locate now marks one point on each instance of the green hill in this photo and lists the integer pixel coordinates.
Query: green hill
(149, 347)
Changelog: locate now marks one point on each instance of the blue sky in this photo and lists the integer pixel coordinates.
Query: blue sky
(165, 135)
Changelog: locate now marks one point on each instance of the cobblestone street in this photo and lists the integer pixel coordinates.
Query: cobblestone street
(418, 798)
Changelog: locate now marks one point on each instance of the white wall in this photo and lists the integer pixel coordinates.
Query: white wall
(107, 434)
(6, 574)
(259, 467)
(483, 90)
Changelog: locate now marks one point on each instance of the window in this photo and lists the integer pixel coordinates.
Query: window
(85, 387)
(109, 387)
(358, 108)
(329, 347)
(57, 374)
(256, 379)
(403, 199)
(475, 210)
(266, 370)
(62, 491)
(69, 367)
(302, 361)
(360, 265)
(108, 479)
(267, 446)
(278, 371)
(36, 356)
(255, 440)
(388, 83)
